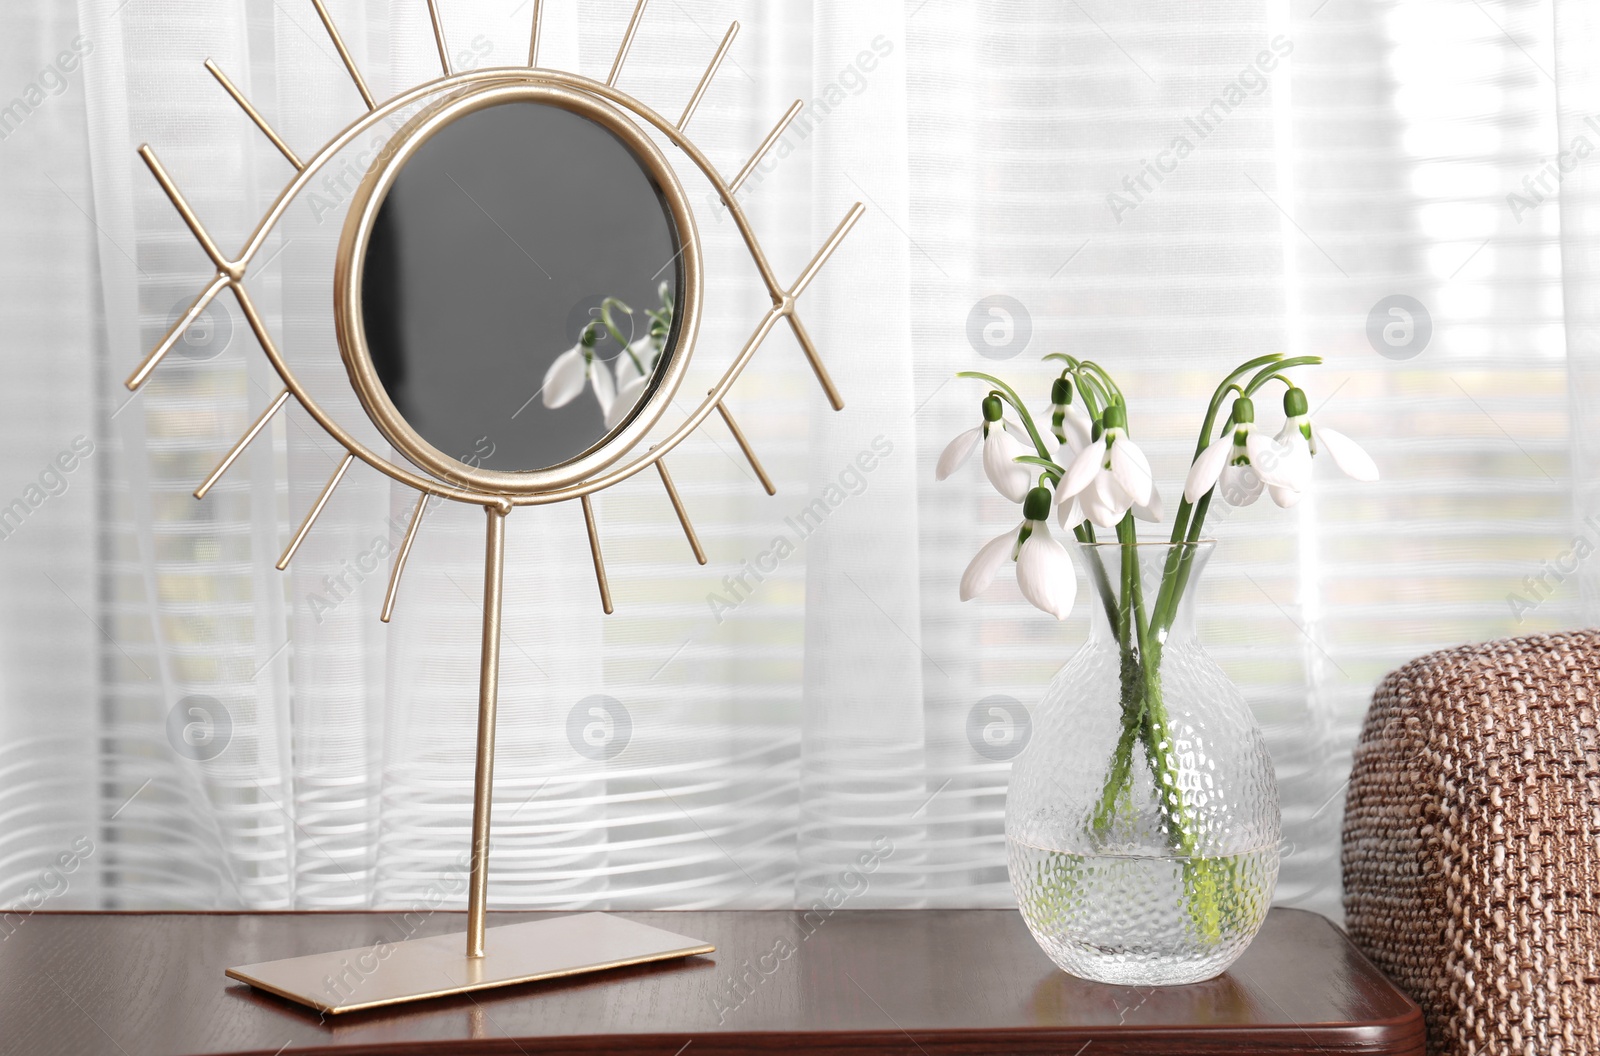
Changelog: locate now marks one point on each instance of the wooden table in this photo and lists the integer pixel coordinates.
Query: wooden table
(913, 982)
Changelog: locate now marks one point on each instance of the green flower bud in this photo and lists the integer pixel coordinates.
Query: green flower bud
(1244, 410)
(1294, 403)
(1116, 417)
(1061, 392)
(1036, 507)
(992, 408)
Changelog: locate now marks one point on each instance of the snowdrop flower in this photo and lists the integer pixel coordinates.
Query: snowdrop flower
(573, 370)
(1000, 451)
(1070, 425)
(631, 382)
(1069, 510)
(1044, 571)
(1286, 468)
(1111, 476)
(1227, 464)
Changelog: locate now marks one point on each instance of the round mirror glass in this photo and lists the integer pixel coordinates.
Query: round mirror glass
(519, 287)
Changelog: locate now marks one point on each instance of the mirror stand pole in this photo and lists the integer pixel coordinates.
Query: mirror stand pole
(488, 699)
(414, 969)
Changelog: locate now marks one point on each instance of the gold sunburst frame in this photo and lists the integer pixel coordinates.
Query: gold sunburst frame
(427, 967)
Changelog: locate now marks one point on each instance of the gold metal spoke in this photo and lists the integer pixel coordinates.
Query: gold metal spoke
(153, 360)
(438, 36)
(254, 115)
(627, 43)
(344, 55)
(401, 557)
(711, 72)
(599, 561)
(180, 203)
(533, 33)
(316, 511)
(815, 359)
(766, 145)
(744, 445)
(244, 442)
(683, 514)
(828, 249)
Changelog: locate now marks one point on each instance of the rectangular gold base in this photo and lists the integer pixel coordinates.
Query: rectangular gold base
(388, 973)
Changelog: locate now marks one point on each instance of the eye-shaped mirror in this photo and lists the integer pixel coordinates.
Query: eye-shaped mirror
(516, 296)
(518, 288)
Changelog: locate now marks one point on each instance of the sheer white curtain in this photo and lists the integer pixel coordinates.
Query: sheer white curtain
(1168, 188)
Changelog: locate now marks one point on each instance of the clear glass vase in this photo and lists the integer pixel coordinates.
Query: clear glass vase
(1142, 824)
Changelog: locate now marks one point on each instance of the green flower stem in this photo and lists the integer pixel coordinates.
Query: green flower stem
(1092, 386)
(1007, 393)
(1144, 713)
(1051, 469)
(1113, 391)
(616, 334)
(1190, 517)
(1129, 631)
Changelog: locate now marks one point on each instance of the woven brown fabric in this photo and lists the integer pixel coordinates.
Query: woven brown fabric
(1472, 844)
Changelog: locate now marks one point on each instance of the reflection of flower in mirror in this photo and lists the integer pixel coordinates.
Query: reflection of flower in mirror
(637, 363)
(579, 367)
(574, 370)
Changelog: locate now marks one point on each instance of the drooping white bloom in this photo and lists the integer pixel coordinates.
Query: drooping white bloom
(640, 354)
(1000, 452)
(1226, 464)
(1044, 571)
(1285, 465)
(1104, 501)
(571, 372)
(1111, 475)
(631, 381)
(1009, 477)
(627, 398)
(1069, 424)
(605, 387)
(1069, 510)
(566, 377)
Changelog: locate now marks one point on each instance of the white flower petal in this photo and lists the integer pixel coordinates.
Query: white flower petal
(1207, 468)
(1152, 510)
(1019, 431)
(1044, 572)
(1093, 511)
(958, 451)
(627, 369)
(1078, 429)
(1295, 468)
(1084, 468)
(1240, 485)
(565, 378)
(1347, 454)
(625, 402)
(980, 573)
(1132, 469)
(605, 389)
(1105, 502)
(1065, 453)
(1285, 497)
(1009, 477)
(1069, 512)
(1275, 461)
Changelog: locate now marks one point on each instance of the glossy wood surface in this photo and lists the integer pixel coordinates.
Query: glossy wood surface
(872, 981)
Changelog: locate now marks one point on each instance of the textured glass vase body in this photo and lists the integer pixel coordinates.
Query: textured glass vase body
(1142, 823)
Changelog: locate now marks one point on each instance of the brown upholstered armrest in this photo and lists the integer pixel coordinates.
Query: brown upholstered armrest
(1472, 843)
